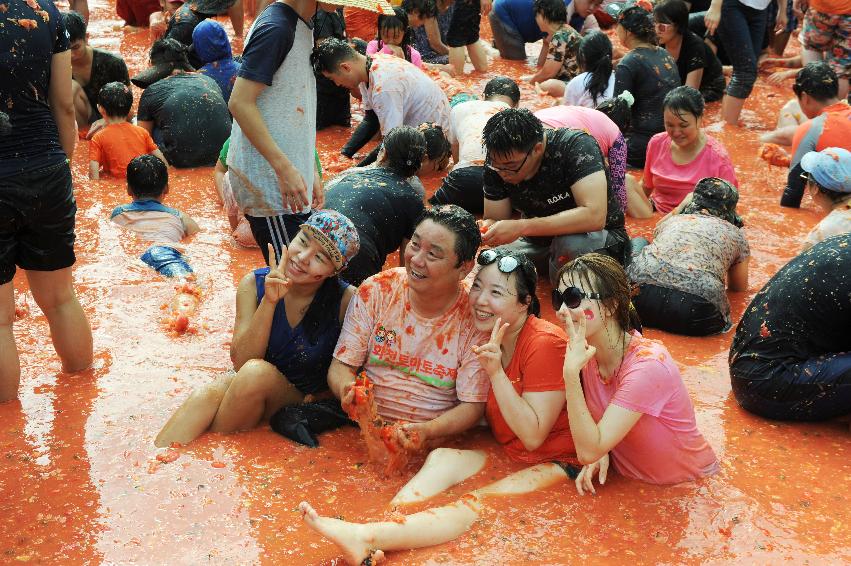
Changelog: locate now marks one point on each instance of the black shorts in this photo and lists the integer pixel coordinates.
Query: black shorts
(678, 312)
(569, 469)
(463, 187)
(276, 230)
(37, 212)
(464, 25)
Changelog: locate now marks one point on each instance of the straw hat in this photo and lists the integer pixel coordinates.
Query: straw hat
(380, 6)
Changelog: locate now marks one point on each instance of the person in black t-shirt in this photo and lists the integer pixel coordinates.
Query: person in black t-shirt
(381, 202)
(183, 22)
(184, 111)
(559, 183)
(791, 356)
(698, 66)
(37, 138)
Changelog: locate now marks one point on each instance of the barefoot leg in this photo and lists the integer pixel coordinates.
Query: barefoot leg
(195, 415)
(443, 468)
(525, 481)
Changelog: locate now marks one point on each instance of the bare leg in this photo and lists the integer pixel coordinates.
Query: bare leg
(258, 390)
(195, 415)
(10, 366)
(478, 56)
(525, 481)
(553, 87)
(53, 291)
(731, 109)
(82, 108)
(637, 203)
(443, 468)
(457, 58)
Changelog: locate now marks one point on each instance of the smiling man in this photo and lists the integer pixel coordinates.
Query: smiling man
(410, 329)
(558, 182)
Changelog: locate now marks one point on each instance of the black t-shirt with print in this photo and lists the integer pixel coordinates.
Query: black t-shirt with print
(694, 55)
(569, 156)
(803, 311)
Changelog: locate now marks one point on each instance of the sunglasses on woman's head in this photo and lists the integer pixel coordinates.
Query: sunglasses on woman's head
(572, 297)
(506, 263)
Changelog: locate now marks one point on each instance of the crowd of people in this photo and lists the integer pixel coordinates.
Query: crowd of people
(453, 335)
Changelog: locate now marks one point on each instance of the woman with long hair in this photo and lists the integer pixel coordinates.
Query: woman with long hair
(596, 82)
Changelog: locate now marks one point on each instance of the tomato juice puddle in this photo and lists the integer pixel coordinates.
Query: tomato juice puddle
(81, 481)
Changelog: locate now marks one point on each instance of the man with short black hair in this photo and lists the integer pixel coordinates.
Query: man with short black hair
(829, 124)
(559, 183)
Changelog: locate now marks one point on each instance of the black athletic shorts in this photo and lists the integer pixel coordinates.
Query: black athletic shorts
(464, 25)
(37, 211)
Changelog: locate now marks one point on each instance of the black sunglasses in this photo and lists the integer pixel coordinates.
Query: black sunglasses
(506, 264)
(489, 164)
(572, 297)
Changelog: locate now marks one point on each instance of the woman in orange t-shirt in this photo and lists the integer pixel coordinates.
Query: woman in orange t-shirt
(525, 410)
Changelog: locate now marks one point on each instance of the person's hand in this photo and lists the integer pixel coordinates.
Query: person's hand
(410, 436)
(780, 76)
(579, 352)
(277, 284)
(96, 126)
(347, 398)
(486, 7)
(490, 353)
(318, 193)
(712, 18)
(396, 49)
(292, 186)
(780, 24)
(584, 481)
(799, 7)
(502, 232)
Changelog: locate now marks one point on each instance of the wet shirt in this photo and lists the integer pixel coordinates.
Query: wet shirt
(570, 155)
(29, 138)
(420, 367)
(151, 220)
(692, 253)
(696, 54)
(649, 73)
(671, 181)
(116, 145)
(190, 116)
(576, 92)
(563, 48)
(421, 42)
(535, 367)
(383, 206)
(182, 23)
(835, 223)
(106, 68)
(664, 446)
(304, 363)
(467, 120)
(803, 311)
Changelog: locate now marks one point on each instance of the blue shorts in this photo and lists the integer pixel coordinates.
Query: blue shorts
(167, 261)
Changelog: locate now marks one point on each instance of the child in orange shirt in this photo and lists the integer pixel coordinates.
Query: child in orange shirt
(114, 146)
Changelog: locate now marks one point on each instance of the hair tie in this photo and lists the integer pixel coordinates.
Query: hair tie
(627, 97)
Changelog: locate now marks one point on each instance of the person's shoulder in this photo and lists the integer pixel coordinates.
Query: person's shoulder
(109, 56)
(652, 357)
(715, 145)
(382, 284)
(542, 331)
(660, 140)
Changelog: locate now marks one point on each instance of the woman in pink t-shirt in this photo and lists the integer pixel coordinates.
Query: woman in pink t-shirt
(625, 396)
(678, 157)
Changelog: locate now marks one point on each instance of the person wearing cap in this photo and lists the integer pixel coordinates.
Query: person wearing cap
(695, 249)
(91, 70)
(829, 179)
(559, 182)
(829, 124)
(791, 356)
(463, 184)
(211, 45)
(411, 331)
(288, 318)
(37, 219)
(183, 111)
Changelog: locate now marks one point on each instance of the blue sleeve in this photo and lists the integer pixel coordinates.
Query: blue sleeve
(270, 42)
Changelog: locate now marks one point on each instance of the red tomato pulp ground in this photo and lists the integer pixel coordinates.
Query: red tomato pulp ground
(81, 482)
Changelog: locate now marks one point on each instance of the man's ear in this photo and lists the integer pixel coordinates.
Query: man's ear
(465, 268)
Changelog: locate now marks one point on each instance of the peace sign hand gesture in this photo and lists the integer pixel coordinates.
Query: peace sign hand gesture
(578, 352)
(490, 353)
(277, 284)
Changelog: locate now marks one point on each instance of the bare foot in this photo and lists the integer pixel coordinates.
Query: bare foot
(347, 536)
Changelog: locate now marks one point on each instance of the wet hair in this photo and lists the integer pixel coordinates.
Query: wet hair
(595, 58)
(609, 280)
(503, 86)
(674, 12)
(512, 129)
(834, 196)
(147, 176)
(459, 222)
(75, 25)
(551, 10)
(526, 280)
(818, 80)
(437, 146)
(404, 149)
(425, 9)
(684, 99)
(639, 22)
(116, 99)
(618, 109)
(398, 21)
(328, 55)
(325, 302)
(359, 45)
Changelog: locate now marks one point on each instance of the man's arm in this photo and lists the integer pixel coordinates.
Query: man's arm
(340, 378)
(591, 198)
(454, 421)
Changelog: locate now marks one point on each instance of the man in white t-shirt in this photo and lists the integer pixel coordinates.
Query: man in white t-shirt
(411, 330)
(463, 185)
(397, 91)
